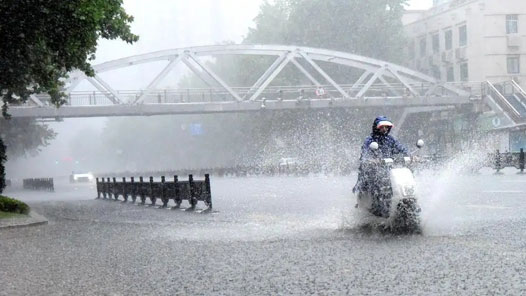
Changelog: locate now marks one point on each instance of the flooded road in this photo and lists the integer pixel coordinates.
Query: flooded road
(281, 235)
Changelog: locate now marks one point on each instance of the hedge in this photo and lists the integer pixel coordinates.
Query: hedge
(3, 159)
(12, 205)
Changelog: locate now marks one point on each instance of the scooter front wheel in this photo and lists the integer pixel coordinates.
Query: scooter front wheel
(407, 218)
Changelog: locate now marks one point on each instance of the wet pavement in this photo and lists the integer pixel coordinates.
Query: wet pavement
(270, 236)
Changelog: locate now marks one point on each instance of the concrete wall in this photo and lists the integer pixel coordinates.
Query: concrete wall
(487, 46)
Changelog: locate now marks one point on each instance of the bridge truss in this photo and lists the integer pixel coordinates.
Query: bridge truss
(379, 83)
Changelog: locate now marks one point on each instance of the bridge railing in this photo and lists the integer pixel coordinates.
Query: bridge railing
(81, 98)
(473, 88)
(395, 90)
(202, 95)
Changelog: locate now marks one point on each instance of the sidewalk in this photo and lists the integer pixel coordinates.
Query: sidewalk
(33, 219)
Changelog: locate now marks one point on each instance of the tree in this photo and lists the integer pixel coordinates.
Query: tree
(3, 159)
(43, 40)
(24, 136)
(372, 28)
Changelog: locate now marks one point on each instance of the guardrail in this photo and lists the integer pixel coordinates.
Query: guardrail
(192, 191)
(38, 184)
(508, 159)
(496, 160)
(502, 101)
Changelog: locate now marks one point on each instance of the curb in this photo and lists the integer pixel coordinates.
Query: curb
(34, 219)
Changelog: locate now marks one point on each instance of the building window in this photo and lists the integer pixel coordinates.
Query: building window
(464, 74)
(448, 39)
(436, 43)
(514, 64)
(423, 47)
(512, 24)
(462, 35)
(450, 71)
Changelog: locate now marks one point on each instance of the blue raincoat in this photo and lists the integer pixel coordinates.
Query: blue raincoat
(387, 148)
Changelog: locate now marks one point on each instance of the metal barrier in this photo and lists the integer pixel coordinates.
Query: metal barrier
(38, 184)
(495, 160)
(508, 159)
(176, 190)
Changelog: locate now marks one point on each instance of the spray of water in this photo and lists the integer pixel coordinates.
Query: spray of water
(440, 196)
(440, 193)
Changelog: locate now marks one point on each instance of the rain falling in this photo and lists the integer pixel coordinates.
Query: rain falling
(282, 147)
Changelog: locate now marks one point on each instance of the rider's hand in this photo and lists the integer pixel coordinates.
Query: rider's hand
(373, 161)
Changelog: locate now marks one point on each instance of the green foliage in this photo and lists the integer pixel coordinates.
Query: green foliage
(3, 159)
(24, 136)
(42, 40)
(5, 215)
(12, 205)
(372, 28)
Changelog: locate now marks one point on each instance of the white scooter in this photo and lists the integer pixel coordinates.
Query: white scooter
(392, 201)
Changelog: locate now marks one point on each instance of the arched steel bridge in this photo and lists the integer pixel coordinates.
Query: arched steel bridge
(379, 83)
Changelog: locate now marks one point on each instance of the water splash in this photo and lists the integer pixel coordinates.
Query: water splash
(441, 193)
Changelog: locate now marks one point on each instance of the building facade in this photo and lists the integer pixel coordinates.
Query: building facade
(469, 40)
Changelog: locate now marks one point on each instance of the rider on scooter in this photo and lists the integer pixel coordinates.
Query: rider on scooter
(388, 146)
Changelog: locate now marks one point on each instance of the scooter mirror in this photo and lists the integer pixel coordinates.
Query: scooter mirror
(420, 143)
(373, 146)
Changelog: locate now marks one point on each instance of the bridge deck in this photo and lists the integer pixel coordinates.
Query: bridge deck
(148, 109)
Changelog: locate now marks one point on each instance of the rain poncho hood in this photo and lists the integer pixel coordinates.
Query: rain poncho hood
(387, 145)
(381, 120)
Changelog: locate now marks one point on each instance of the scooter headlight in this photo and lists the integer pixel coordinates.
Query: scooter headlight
(408, 190)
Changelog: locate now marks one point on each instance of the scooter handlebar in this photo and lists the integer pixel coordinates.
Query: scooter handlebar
(406, 160)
